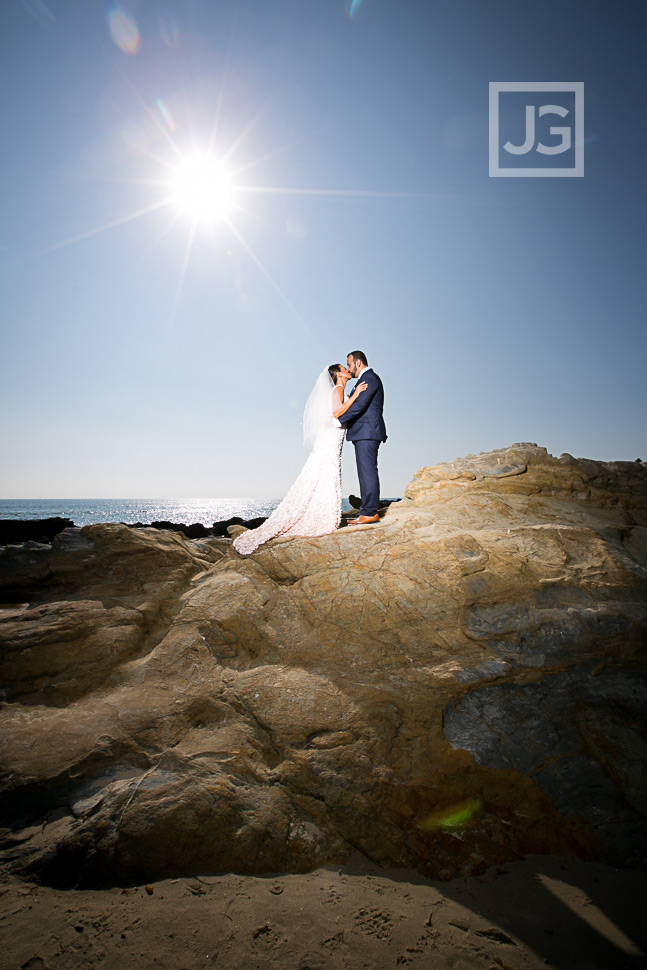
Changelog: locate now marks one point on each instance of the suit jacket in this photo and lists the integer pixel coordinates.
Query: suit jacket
(364, 417)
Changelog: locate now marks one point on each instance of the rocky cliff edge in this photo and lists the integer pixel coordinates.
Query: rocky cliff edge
(462, 684)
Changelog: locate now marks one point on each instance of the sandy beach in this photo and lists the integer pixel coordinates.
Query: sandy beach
(538, 912)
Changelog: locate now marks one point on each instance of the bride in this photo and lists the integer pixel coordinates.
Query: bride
(312, 507)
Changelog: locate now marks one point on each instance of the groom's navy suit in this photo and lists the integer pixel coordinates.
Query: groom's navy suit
(365, 427)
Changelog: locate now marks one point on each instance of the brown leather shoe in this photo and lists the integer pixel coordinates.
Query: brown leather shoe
(364, 520)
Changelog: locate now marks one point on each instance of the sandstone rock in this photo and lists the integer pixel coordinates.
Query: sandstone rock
(461, 684)
(96, 597)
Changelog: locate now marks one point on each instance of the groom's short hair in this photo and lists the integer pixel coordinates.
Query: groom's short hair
(359, 355)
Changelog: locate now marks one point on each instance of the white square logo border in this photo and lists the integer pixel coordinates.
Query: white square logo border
(573, 87)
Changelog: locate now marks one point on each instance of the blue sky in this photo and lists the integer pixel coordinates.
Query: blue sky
(160, 357)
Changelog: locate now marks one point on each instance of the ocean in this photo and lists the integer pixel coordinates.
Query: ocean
(130, 510)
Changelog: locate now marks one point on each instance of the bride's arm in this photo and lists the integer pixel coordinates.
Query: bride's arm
(340, 393)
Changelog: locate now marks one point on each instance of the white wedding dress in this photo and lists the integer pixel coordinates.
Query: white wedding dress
(312, 507)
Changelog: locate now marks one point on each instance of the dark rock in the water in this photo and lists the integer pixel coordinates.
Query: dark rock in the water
(14, 531)
(221, 528)
(195, 531)
(460, 684)
(199, 531)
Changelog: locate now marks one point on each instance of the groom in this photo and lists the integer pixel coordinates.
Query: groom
(365, 428)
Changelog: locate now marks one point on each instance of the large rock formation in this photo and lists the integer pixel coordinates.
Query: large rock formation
(459, 685)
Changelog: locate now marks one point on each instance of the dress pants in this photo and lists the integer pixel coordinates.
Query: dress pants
(369, 482)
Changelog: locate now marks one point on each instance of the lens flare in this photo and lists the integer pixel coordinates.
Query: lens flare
(169, 31)
(166, 114)
(123, 30)
(452, 817)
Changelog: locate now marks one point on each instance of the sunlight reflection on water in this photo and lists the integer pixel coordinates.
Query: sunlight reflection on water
(88, 511)
(188, 511)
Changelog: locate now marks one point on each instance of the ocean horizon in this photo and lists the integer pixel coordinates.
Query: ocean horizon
(130, 510)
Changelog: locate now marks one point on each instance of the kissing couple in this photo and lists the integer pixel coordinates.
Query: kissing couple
(312, 507)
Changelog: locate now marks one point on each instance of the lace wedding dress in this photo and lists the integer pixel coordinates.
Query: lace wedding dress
(312, 507)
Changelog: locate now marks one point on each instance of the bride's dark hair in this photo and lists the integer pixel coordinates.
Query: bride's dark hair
(333, 370)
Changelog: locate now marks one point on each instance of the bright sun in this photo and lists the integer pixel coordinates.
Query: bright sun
(202, 189)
